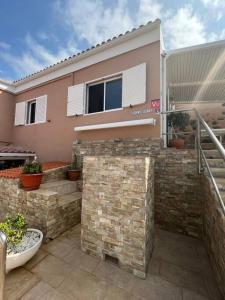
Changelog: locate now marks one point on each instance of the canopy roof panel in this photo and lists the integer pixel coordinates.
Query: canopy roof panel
(197, 73)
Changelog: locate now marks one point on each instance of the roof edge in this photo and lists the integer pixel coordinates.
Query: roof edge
(110, 43)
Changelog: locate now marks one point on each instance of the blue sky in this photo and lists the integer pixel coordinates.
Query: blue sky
(35, 34)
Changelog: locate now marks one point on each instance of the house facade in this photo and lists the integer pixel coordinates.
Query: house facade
(110, 91)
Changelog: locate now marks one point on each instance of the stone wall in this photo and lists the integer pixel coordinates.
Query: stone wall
(214, 231)
(138, 146)
(177, 185)
(117, 210)
(43, 209)
(176, 180)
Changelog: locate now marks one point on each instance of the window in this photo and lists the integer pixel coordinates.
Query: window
(104, 95)
(31, 111)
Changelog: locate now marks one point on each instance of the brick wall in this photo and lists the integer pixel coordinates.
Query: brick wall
(118, 210)
(214, 230)
(177, 207)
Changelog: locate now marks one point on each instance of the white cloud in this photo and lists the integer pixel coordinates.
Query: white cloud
(184, 28)
(4, 45)
(35, 56)
(92, 21)
(216, 7)
(95, 21)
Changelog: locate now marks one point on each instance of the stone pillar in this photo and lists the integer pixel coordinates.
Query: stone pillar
(118, 210)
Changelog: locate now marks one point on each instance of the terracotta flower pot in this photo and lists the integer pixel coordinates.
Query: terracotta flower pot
(31, 182)
(73, 175)
(177, 143)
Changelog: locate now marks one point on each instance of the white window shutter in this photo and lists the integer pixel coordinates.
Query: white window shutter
(41, 109)
(20, 113)
(134, 85)
(75, 101)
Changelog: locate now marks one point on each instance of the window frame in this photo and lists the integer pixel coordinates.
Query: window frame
(104, 81)
(28, 111)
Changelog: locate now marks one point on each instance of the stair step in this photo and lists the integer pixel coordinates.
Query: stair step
(61, 187)
(218, 172)
(212, 154)
(208, 146)
(216, 162)
(220, 183)
(66, 199)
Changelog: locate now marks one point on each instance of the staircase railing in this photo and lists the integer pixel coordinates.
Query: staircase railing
(200, 154)
(3, 246)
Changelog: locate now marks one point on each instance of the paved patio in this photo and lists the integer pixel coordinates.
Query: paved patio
(179, 270)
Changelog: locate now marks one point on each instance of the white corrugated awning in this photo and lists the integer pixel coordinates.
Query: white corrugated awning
(196, 73)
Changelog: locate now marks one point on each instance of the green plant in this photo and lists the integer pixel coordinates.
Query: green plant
(14, 228)
(73, 165)
(33, 167)
(178, 120)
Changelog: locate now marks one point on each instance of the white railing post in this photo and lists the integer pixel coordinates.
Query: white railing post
(3, 247)
(198, 140)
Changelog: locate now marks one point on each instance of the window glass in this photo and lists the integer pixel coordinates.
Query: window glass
(113, 94)
(96, 98)
(31, 112)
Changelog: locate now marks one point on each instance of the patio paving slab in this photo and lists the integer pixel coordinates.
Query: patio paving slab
(62, 271)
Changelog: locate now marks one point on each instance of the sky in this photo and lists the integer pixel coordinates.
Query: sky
(35, 34)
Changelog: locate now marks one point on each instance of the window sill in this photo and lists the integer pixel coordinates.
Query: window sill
(104, 111)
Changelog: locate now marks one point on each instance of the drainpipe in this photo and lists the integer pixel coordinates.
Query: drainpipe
(163, 106)
(3, 247)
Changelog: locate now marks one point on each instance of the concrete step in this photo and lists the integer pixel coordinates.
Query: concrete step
(208, 146)
(212, 154)
(220, 183)
(218, 172)
(61, 187)
(216, 162)
(64, 200)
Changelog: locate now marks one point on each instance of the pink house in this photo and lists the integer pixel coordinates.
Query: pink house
(109, 91)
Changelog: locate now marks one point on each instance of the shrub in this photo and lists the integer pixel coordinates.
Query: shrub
(14, 228)
(178, 120)
(33, 167)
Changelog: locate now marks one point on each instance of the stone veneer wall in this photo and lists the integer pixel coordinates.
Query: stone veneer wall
(117, 210)
(41, 207)
(177, 207)
(214, 231)
(177, 186)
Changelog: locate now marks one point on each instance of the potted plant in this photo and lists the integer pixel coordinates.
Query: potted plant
(178, 122)
(73, 172)
(31, 175)
(22, 243)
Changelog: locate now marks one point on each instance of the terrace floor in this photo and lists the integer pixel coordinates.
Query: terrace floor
(179, 270)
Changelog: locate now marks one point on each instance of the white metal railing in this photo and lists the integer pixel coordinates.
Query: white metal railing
(200, 154)
(3, 247)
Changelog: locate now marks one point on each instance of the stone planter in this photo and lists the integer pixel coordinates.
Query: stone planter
(73, 175)
(31, 182)
(19, 259)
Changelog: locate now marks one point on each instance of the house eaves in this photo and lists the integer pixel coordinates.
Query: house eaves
(123, 43)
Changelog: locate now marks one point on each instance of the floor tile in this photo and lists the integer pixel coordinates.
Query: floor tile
(57, 248)
(111, 273)
(82, 285)
(77, 258)
(72, 237)
(154, 266)
(155, 288)
(43, 291)
(52, 270)
(18, 282)
(190, 295)
(36, 259)
(183, 277)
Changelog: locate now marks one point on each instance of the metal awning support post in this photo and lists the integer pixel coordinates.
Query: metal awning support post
(3, 246)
